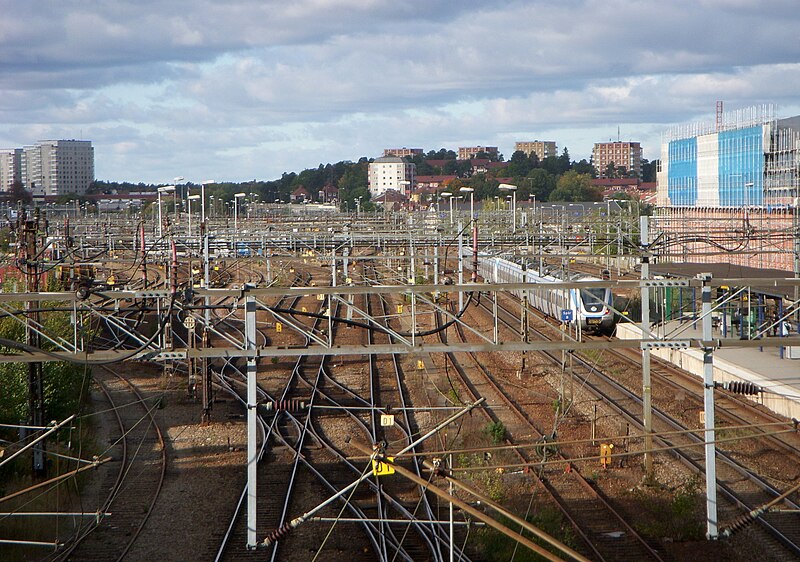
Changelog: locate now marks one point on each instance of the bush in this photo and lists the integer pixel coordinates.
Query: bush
(496, 432)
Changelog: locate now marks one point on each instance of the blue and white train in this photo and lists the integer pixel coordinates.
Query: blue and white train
(591, 306)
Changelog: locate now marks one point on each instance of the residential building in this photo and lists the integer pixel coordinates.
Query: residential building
(10, 167)
(402, 152)
(733, 183)
(542, 149)
(328, 194)
(300, 195)
(621, 154)
(391, 172)
(432, 184)
(470, 152)
(58, 167)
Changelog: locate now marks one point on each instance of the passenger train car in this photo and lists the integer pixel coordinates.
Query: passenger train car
(590, 306)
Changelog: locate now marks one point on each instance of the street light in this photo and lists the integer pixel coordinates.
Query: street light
(513, 190)
(236, 197)
(160, 190)
(189, 202)
(450, 197)
(177, 180)
(203, 185)
(471, 201)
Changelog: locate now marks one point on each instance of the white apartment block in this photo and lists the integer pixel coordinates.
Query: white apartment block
(58, 167)
(10, 167)
(390, 172)
(542, 149)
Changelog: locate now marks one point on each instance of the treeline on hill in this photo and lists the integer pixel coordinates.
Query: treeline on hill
(556, 178)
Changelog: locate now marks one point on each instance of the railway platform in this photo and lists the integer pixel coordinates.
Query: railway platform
(774, 369)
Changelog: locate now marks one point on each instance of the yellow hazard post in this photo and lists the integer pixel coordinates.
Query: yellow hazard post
(605, 454)
(380, 468)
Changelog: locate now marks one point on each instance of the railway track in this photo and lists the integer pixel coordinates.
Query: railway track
(604, 532)
(743, 488)
(137, 477)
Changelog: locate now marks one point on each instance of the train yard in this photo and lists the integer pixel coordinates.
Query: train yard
(389, 392)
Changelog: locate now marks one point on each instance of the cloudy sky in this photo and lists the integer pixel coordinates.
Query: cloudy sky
(246, 89)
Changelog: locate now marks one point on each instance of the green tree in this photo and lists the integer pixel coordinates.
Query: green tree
(19, 194)
(649, 170)
(573, 186)
(485, 188)
(353, 184)
(584, 167)
(519, 165)
(457, 168)
(540, 183)
(564, 163)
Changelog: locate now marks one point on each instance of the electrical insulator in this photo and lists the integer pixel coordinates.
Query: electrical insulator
(740, 387)
(291, 405)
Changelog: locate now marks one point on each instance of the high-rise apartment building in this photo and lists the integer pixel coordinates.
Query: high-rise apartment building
(621, 154)
(390, 172)
(469, 152)
(58, 167)
(401, 152)
(10, 167)
(542, 149)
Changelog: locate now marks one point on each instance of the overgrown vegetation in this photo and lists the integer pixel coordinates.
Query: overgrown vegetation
(495, 546)
(677, 515)
(65, 386)
(495, 431)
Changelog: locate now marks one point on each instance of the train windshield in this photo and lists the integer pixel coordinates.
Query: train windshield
(593, 296)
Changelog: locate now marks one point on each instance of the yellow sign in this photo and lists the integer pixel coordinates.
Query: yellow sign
(278, 327)
(399, 309)
(387, 420)
(380, 468)
(420, 364)
(303, 309)
(605, 454)
(110, 280)
(320, 297)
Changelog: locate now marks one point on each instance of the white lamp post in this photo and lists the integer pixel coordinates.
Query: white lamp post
(189, 203)
(203, 185)
(450, 197)
(471, 201)
(513, 190)
(160, 190)
(177, 180)
(236, 198)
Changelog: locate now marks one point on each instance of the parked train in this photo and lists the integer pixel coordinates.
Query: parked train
(591, 307)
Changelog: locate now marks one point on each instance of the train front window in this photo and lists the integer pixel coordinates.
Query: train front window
(593, 296)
